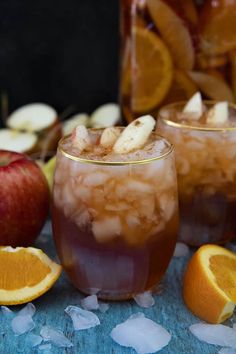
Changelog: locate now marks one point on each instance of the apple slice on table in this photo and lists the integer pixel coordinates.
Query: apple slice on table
(71, 123)
(105, 116)
(14, 140)
(40, 119)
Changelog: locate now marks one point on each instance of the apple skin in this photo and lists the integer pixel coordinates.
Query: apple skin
(24, 199)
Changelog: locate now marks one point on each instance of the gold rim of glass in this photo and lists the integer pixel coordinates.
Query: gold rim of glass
(193, 127)
(116, 163)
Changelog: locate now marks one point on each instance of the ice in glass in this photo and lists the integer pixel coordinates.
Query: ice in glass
(171, 49)
(204, 136)
(115, 209)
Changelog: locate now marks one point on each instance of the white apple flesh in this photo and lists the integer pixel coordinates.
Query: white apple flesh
(24, 199)
(40, 119)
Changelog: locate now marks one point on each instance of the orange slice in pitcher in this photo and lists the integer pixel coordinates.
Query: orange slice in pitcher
(212, 86)
(174, 33)
(152, 70)
(209, 287)
(182, 88)
(25, 274)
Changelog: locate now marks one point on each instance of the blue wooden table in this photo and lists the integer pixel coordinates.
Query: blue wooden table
(169, 311)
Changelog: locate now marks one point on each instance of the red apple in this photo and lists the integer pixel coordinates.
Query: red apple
(24, 199)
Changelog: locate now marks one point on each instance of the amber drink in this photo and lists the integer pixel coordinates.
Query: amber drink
(115, 216)
(171, 49)
(206, 170)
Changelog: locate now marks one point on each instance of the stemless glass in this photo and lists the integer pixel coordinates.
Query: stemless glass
(206, 171)
(115, 224)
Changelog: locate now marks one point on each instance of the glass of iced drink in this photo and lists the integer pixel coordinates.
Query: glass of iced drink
(115, 211)
(204, 136)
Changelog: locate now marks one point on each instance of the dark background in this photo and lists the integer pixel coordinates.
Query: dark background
(59, 52)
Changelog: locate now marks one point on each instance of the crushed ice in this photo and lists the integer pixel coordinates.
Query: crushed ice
(145, 299)
(141, 334)
(56, 337)
(82, 319)
(90, 303)
(6, 311)
(34, 340)
(29, 310)
(22, 324)
(45, 347)
(103, 307)
(181, 250)
(214, 334)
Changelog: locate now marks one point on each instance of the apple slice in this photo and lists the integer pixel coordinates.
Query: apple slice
(80, 138)
(134, 135)
(218, 114)
(212, 86)
(72, 122)
(13, 140)
(105, 116)
(109, 136)
(174, 32)
(40, 119)
(195, 106)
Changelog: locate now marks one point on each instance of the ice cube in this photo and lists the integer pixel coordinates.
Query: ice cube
(90, 303)
(106, 229)
(82, 319)
(227, 351)
(139, 187)
(29, 310)
(45, 348)
(142, 334)
(145, 299)
(181, 250)
(182, 165)
(214, 334)
(168, 205)
(22, 324)
(56, 337)
(34, 340)
(96, 179)
(6, 311)
(103, 306)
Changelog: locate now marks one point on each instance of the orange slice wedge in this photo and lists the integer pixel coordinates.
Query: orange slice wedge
(209, 288)
(25, 274)
(174, 33)
(212, 86)
(152, 70)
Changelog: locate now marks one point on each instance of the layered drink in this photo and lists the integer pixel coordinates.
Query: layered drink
(115, 209)
(204, 136)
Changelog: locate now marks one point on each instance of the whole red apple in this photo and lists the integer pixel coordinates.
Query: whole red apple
(24, 199)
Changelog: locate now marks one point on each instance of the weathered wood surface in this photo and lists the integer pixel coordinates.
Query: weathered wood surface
(168, 311)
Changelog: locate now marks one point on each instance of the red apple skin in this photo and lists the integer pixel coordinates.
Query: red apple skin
(24, 199)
